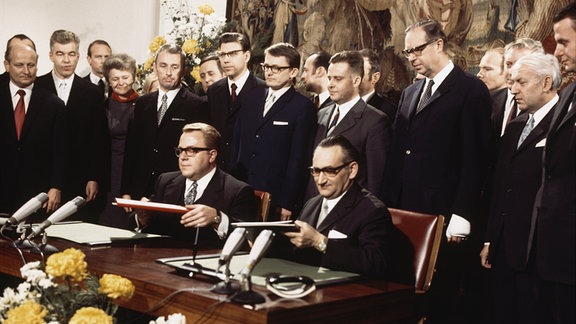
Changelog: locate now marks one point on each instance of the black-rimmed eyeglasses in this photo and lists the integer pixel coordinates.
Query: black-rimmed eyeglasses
(229, 54)
(274, 68)
(328, 171)
(418, 49)
(189, 151)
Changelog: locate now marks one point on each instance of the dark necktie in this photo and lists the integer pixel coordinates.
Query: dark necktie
(426, 96)
(102, 86)
(20, 113)
(317, 101)
(191, 195)
(233, 95)
(334, 120)
(163, 108)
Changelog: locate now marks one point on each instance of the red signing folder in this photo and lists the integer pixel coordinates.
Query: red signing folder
(149, 205)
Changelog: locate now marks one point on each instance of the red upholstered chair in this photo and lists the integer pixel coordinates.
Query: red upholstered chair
(425, 233)
(264, 206)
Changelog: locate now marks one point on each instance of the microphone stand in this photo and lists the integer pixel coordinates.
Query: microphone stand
(247, 296)
(226, 287)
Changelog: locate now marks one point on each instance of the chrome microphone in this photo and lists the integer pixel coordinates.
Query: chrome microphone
(30, 207)
(60, 214)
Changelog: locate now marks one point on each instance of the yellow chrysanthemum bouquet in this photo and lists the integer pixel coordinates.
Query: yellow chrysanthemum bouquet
(196, 30)
(63, 292)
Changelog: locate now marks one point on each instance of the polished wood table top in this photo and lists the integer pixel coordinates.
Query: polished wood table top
(365, 301)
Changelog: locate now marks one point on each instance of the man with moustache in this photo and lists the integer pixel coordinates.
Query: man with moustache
(86, 122)
(158, 120)
(315, 78)
(33, 135)
(224, 95)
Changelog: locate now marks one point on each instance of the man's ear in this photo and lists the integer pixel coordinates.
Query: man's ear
(375, 78)
(353, 166)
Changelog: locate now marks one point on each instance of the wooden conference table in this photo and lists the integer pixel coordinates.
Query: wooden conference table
(364, 301)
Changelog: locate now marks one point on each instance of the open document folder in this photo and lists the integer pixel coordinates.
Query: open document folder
(92, 234)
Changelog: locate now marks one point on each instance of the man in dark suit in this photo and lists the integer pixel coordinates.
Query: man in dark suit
(440, 155)
(518, 174)
(315, 78)
(553, 222)
(213, 197)
(86, 120)
(158, 120)
(33, 135)
(20, 39)
(98, 51)
(493, 73)
(224, 96)
(210, 71)
(273, 135)
(345, 227)
(368, 85)
(367, 128)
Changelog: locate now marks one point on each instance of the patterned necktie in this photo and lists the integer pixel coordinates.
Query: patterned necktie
(233, 95)
(334, 120)
(527, 129)
(163, 108)
(20, 112)
(268, 104)
(191, 195)
(426, 96)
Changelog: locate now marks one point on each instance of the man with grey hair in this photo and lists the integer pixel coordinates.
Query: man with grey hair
(535, 81)
(504, 107)
(87, 124)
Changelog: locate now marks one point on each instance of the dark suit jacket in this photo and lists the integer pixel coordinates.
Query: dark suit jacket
(89, 136)
(554, 222)
(518, 175)
(232, 197)
(38, 161)
(223, 113)
(272, 153)
(149, 147)
(440, 156)
(326, 103)
(498, 108)
(380, 102)
(370, 131)
(366, 222)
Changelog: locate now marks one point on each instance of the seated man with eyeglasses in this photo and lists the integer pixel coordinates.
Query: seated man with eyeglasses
(345, 227)
(214, 198)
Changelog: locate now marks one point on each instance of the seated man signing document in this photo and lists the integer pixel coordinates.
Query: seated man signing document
(345, 227)
(214, 198)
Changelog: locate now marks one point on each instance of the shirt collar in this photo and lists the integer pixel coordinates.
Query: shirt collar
(440, 76)
(369, 95)
(14, 89)
(202, 183)
(347, 106)
(323, 97)
(95, 79)
(239, 82)
(277, 93)
(332, 202)
(58, 81)
(543, 111)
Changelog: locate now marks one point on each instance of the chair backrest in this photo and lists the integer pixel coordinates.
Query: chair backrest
(425, 233)
(264, 205)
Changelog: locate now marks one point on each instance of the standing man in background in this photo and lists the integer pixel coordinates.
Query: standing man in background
(440, 157)
(274, 133)
(98, 51)
(86, 122)
(315, 78)
(224, 95)
(371, 77)
(210, 71)
(158, 121)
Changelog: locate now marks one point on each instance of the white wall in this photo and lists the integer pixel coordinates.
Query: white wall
(127, 25)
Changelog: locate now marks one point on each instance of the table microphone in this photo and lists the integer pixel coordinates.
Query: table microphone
(30, 207)
(233, 243)
(60, 214)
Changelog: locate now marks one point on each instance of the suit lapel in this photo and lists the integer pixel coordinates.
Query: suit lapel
(176, 189)
(351, 117)
(563, 105)
(311, 216)
(277, 106)
(213, 190)
(341, 210)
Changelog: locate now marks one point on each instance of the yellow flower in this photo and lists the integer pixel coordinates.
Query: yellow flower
(90, 315)
(148, 64)
(156, 43)
(69, 263)
(30, 312)
(190, 46)
(115, 286)
(206, 9)
(195, 73)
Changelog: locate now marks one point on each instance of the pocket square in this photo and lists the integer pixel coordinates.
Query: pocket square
(178, 119)
(334, 234)
(542, 143)
(280, 123)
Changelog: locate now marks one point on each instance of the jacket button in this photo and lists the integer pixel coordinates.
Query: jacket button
(408, 152)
